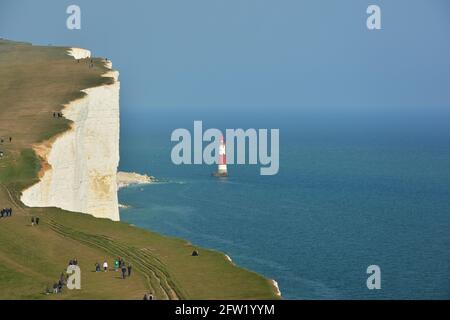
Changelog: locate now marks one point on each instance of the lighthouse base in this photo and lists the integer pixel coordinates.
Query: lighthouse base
(220, 174)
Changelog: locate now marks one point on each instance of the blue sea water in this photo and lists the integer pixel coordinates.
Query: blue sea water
(352, 191)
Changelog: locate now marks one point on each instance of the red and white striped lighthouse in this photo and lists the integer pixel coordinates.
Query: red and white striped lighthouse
(222, 170)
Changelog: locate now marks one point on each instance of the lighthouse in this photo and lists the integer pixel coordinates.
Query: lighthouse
(222, 169)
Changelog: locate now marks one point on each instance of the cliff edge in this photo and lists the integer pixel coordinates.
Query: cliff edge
(81, 170)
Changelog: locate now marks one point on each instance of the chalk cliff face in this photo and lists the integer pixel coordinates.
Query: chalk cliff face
(82, 162)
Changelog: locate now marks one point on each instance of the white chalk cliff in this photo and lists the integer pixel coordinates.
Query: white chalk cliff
(81, 170)
(79, 53)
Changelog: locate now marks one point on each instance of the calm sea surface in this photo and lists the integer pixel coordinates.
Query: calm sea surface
(350, 193)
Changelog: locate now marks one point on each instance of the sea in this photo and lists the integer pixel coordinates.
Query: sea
(353, 190)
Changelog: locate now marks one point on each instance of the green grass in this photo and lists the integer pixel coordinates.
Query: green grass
(20, 170)
(34, 82)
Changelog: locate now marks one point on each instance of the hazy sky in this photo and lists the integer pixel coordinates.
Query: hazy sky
(256, 54)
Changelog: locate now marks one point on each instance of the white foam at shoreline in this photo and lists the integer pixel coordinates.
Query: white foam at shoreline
(125, 179)
(275, 284)
(229, 259)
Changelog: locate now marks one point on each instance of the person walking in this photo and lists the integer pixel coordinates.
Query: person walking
(60, 285)
(37, 220)
(129, 269)
(62, 278)
(105, 266)
(124, 272)
(55, 288)
(32, 221)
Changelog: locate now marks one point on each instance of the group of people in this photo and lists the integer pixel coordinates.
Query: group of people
(34, 221)
(91, 62)
(119, 264)
(2, 154)
(58, 285)
(6, 212)
(57, 115)
(62, 281)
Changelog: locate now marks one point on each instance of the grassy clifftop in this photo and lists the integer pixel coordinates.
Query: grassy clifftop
(35, 82)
